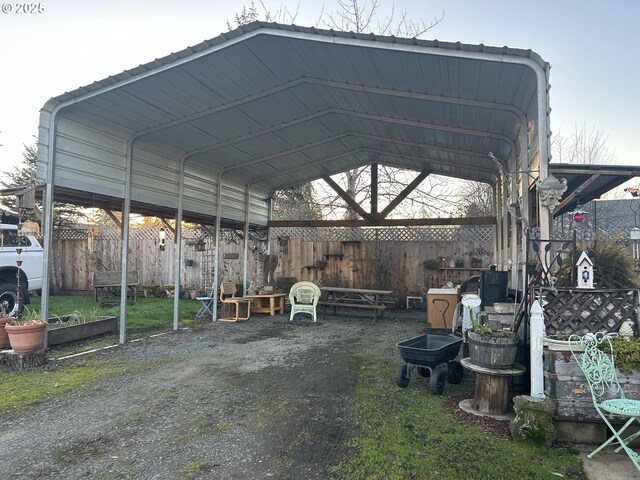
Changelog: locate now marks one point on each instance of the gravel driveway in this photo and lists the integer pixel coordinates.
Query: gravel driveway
(267, 398)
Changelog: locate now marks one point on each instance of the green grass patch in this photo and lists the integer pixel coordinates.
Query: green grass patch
(18, 389)
(407, 433)
(146, 314)
(196, 469)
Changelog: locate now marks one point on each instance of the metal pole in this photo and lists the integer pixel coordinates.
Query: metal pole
(177, 261)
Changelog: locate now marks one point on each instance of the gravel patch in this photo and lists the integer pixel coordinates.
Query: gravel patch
(267, 398)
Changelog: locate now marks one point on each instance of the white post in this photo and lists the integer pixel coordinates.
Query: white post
(536, 329)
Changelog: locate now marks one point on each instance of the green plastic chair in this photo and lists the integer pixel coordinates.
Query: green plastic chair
(607, 395)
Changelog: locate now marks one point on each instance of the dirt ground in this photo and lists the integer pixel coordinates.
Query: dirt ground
(266, 398)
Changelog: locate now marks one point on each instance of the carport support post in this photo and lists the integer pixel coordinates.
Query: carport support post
(505, 223)
(126, 208)
(177, 260)
(497, 192)
(245, 248)
(216, 250)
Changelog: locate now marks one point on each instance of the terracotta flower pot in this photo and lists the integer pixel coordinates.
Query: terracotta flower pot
(4, 338)
(26, 337)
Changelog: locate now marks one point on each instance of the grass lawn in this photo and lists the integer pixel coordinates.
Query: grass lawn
(411, 433)
(147, 315)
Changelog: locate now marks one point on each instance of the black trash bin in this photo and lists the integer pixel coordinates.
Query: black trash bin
(493, 286)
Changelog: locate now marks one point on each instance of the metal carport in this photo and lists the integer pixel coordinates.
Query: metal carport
(208, 133)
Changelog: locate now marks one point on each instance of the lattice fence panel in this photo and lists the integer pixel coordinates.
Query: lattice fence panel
(582, 311)
(150, 233)
(389, 234)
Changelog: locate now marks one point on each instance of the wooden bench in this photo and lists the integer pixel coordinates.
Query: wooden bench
(101, 280)
(379, 308)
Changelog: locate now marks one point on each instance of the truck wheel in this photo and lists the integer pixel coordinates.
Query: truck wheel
(8, 294)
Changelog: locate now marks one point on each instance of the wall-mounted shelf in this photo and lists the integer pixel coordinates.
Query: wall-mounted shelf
(463, 268)
(320, 264)
(336, 255)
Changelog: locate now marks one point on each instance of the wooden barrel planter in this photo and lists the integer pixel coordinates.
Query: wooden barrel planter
(497, 350)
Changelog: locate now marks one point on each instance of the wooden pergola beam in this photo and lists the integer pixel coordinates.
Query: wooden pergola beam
(573, 194)
(374, 189)
(350, 201)
(168, 226)
(113, 218)
(404, 193)
(384, 222)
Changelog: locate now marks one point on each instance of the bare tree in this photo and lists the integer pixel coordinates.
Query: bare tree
(282, 14)
(474, 199)
(584, 146)
(363, 17)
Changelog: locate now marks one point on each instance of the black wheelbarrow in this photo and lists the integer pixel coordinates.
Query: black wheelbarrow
(426, 352)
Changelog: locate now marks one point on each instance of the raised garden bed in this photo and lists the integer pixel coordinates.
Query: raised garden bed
(64, 329)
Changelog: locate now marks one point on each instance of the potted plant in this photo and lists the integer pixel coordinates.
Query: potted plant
(489, 348)
(4, 319)
(431, 264)
(170, 289)
(560, 342)
(26, 333)
(150, 290)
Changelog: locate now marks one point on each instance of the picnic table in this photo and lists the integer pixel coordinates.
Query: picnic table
(341, 297)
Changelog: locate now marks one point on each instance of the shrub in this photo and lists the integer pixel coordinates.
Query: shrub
(614, 266)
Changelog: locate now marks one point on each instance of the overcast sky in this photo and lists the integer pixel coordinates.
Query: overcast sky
(592, 47)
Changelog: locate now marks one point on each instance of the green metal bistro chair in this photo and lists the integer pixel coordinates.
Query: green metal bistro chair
(607, 395)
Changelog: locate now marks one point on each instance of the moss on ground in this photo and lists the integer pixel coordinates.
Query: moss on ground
(407, 433)
(21, 388)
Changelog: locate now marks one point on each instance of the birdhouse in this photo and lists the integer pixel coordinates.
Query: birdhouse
(585, 271)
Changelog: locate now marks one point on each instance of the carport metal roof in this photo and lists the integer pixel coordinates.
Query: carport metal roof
(271, 106)
(589, 182)
(210, 132)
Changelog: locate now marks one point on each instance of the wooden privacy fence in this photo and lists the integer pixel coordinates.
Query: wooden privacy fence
(368, 263)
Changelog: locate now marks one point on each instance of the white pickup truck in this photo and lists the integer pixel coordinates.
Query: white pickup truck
(29, 252)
